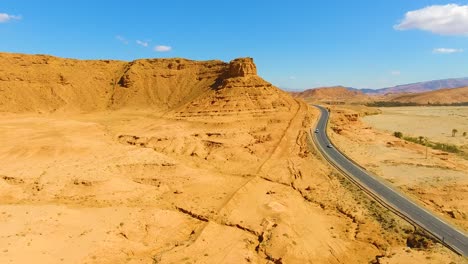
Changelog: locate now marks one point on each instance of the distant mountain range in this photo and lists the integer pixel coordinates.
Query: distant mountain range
(418, 87)
(335, 93)
(440, 96)
(445, 91)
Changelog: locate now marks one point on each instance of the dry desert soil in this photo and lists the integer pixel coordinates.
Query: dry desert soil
(179, 161)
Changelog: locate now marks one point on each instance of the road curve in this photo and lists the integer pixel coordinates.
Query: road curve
(397, 202)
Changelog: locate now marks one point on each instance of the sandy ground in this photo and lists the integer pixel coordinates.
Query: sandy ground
(435, 123)
(138, 187)
(212, 165)
(79, 189)
(439, 182)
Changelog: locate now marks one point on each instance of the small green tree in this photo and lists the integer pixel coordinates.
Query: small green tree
(454, 132)
(398, 134)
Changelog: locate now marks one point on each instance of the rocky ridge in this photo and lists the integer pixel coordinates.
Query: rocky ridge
(40, 83)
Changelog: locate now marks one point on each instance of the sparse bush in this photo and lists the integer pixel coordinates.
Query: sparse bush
(419, 241)
(445, 147)
(398, 134)
(411, 139)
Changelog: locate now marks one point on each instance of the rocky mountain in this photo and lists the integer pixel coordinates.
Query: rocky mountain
(420, 86)
(442, 96)
(338, 93)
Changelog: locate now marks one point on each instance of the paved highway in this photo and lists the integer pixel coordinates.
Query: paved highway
(449, 235)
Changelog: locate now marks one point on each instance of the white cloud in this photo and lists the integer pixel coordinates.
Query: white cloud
(292, 77)
(395, 73)
(122, 39)
(142, 43)
(451, 19)
(4, 17)
(446, 51)
(162, 48)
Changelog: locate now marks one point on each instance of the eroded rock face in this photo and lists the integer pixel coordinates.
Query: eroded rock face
(48, 84)
(238, 91)
(242, 67)
(352, 117)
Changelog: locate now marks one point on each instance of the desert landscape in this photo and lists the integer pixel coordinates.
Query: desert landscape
(178, 161)
(155, 132)
(439, 181)
(442, 179)
(435, 123)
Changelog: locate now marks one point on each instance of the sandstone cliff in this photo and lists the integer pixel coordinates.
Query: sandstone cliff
(39, 83)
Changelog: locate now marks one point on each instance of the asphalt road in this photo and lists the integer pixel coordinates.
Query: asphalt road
(453, 238)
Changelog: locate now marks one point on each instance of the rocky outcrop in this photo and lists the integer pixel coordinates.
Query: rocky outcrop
(238, 91)
(332, 95)
(39, 83)
(352, 117)
(242, 67)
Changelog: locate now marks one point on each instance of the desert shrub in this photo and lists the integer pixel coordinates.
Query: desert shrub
(398, 134)
(412, 139)
(419, 241)
(445, 147)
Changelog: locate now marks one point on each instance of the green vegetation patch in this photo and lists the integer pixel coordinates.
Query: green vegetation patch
(400, 104)
(434, 145)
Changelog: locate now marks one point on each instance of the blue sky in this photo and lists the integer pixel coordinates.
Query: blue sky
(295, 44)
